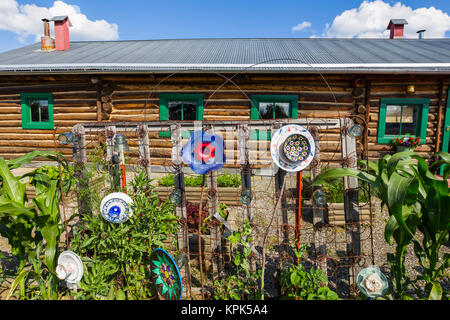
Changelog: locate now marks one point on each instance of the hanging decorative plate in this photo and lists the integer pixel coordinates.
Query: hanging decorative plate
(292, 148)
(372, 282)
(116, 207)
(166, 275)
(70, 268)
(204, 152)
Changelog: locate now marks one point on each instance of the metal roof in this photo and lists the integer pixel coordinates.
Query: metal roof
(398, 21)
(235, 55)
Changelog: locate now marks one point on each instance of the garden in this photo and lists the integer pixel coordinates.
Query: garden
(140, 258)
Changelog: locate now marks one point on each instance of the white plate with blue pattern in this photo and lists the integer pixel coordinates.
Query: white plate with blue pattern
(116, 207)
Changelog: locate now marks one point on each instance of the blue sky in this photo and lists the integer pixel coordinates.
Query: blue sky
(163, 19)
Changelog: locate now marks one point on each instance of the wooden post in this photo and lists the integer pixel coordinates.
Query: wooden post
(182, 234)
(144, 149)
(213, 208)
(80, 161)
(351, 207)
(243, 137)
(110, 133)
(246, 178)
(318, 212)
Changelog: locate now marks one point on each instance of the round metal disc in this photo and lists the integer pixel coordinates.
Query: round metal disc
(70, 267)
(165, 275)
(292, 148)
(116, 207)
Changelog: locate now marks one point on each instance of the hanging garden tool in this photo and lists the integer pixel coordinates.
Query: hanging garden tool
(292, 149)
(165, 275)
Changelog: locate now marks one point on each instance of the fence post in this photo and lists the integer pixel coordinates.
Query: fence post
(243, 137)
(182, 234)
(80, 162)
(318, 212)
(144, 149)
(213, 208)
(110, 133)
(351, 207)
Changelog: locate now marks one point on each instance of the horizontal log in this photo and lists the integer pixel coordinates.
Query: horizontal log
(57, 87)
(210, 87)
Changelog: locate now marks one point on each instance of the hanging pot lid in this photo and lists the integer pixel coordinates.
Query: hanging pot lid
(292, 148)
(165, 275)
(70, 267)
(116, 207)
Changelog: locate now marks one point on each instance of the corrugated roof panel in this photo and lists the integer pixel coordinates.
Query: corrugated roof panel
(233, 54)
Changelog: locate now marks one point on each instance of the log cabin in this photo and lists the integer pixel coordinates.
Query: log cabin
(393, 87)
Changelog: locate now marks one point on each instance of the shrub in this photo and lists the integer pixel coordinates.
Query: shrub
(223, 180)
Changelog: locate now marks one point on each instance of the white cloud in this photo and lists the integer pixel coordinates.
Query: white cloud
(370, 20)
(25, 21)
(301, 26)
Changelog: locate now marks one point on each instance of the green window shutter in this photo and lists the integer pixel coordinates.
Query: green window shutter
(446, 138)
(254, 111)
(27, 122)
(163, 109)
(422, 117)
(294, 109)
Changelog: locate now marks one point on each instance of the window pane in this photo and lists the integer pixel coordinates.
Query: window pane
(174, 110)
(393, 116)
(34, 108)
(266, 110)
(44, 110)
(409, 120)
(281, 110)
(189, 110)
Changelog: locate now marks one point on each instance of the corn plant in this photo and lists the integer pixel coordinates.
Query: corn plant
(27, 225)
(416, 201)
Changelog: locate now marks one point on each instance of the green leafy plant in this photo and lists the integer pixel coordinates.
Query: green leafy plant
(298, 283)
(223, 180)
(417, 201)
(27, 226)
(243, 284)
(124, 248)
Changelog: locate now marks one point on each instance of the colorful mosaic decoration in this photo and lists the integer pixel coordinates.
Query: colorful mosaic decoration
(292, 148)
(204, 152)
(166, 275)
(296, 148)
(116, 207)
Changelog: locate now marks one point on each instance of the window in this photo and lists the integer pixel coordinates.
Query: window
(272, 107)
(37, 110)
(180, 107)
(401, 117)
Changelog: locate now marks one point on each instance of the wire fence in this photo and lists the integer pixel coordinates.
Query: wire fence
(339, 234)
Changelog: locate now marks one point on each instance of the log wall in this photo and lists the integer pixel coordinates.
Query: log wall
(115, 98)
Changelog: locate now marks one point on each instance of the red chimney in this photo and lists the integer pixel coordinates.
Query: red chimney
(397, 27)
(62, 24)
